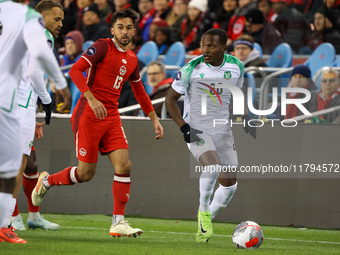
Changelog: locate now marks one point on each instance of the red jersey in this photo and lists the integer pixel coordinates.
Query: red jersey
(108, 67)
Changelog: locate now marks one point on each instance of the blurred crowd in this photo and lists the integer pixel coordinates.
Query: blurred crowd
(303, 24)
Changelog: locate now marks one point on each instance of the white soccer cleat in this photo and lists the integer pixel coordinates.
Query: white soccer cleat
(39, 190)
(42, 223)
(18, 225)
(123, 228)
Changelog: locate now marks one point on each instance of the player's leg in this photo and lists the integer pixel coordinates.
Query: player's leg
(121, 193)
(227, 178)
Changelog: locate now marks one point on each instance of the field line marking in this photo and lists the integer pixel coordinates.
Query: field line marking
(183, 233)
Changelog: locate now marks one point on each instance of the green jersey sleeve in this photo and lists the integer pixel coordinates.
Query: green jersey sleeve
(50, 39)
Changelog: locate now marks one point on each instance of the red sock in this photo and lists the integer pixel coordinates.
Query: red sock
(28, 182)
(121, 193)
(16, 211)
(68, 176)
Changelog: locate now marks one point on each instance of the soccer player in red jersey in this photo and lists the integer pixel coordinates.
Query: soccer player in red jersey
(96, 122)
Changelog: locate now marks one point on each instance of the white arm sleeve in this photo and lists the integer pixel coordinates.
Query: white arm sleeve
(37, 81)
(41, 55)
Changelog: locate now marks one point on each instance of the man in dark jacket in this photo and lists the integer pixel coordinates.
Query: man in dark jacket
(291, 24)
(262, 31)
(95, 28)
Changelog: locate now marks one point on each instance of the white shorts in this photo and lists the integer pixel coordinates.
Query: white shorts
(10, 141)
(223, 144)
(27, 122)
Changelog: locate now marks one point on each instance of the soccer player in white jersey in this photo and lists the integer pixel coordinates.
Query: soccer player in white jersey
(213, 146)
(28, 91)
(22, 30)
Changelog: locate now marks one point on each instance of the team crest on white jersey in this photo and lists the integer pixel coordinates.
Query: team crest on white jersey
(124, 61)
(227, 75)
(122, 70)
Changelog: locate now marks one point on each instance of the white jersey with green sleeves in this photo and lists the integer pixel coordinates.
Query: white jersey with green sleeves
(27, 97)
(197, 80)
(16, 20)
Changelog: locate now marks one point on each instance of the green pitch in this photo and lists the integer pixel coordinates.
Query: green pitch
(89, 234)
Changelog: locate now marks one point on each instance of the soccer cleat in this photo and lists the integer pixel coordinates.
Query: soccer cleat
(42, 223)
(200, 238)
(123, 228)
(8, 235)
(39, 190)
(205, 224)
(18, 225)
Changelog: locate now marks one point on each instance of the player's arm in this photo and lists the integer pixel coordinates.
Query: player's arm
(93, 55)
(189, 134)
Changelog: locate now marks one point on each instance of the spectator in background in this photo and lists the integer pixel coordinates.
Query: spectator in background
(265, 6)
(179, 10)
(95, 28)
(325, 30)
(237, 21)
(244, 50)
(300, 78)
(105, 10)
(291, 24)
(262, 31)
(334, 5)
(162, 39)
(81, 5)
(136, 42)
(224, 14)
(156, 75)
(121, 4)
(175, 20)
(74, 41)
(190, 25)
(162, 9)
(328, 96)
(144, 21)
(156, 23)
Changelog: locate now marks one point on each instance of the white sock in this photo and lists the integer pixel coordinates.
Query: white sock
(7, 204)
(207, 183)
(33, 216)
(222, 197)
(117, 218)
(18, 217)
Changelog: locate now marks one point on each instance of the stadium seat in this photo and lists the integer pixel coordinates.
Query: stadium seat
(75, 94)
(87, 45)
(148, 52)
(251, 84)
(174, 56)
(282, 56)
(324, 55)
(336, 62)
(259, 48)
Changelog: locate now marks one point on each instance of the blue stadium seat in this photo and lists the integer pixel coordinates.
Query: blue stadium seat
(259, 48)
(336, 62)
(75, 93)
(282, 56)
(251, 84)
(87, 45)
(324, 55)
(174, 56)
(148, 52)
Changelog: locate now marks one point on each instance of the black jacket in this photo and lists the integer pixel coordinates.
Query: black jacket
(98, 31)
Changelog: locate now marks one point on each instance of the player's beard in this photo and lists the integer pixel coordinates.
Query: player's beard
(120, 42)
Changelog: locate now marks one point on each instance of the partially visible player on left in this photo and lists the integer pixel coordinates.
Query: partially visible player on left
(21, 30)
(28, 91)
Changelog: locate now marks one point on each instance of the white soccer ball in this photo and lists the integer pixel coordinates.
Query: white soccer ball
(248, 235)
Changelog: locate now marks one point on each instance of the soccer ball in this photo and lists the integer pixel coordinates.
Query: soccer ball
(248, 235)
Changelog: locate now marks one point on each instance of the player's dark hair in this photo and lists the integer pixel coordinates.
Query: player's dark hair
(46, 5)
(222, 35)
(125, 13)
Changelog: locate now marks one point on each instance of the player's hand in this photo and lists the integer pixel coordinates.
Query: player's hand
(190, 134)
(158, 129)
(39, 130)
(98, 108)
(47, 108)
(66, 94)
(251, 130)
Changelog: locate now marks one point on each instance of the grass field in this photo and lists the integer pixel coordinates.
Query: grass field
(89, 234)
